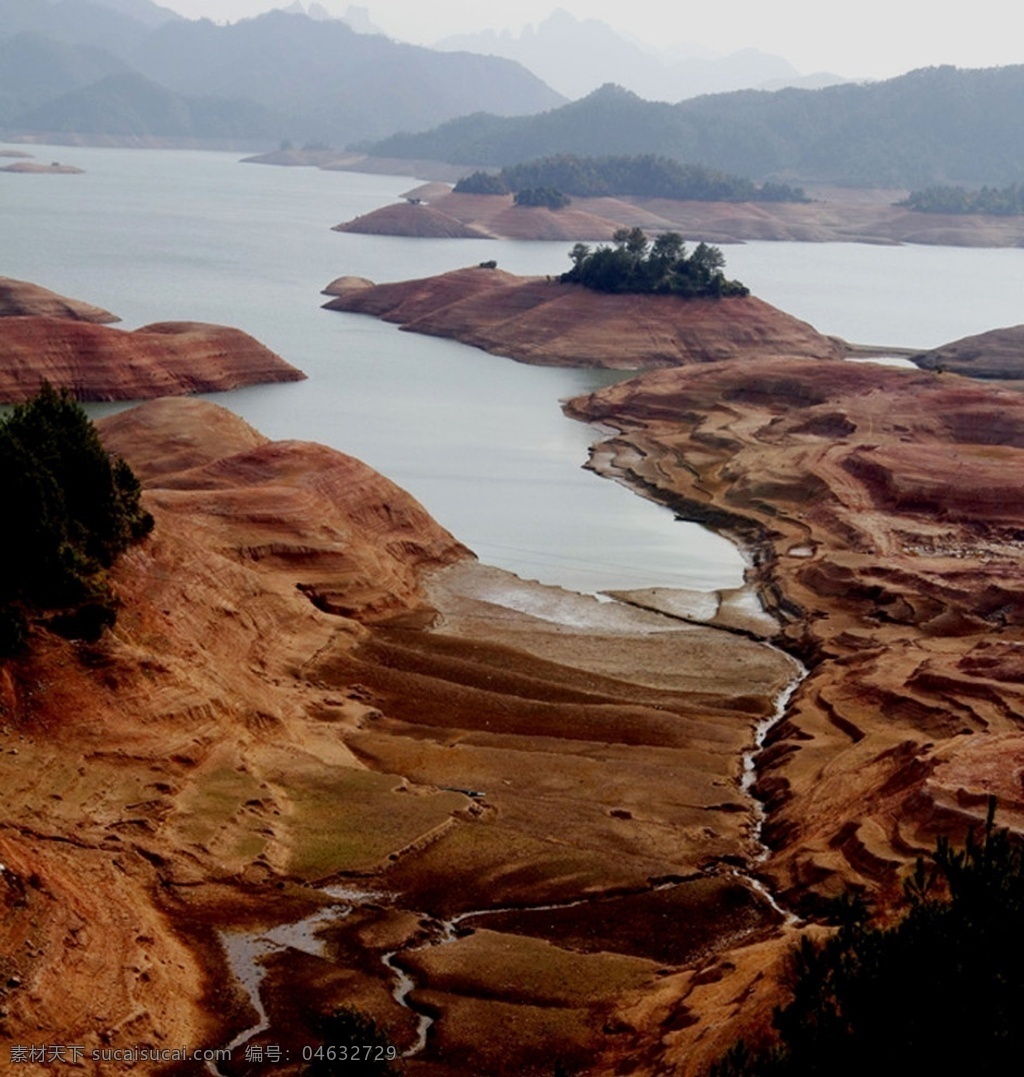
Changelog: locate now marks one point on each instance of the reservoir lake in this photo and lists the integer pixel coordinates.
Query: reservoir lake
(167, 235)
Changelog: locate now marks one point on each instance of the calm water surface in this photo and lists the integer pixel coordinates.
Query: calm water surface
(480, 440)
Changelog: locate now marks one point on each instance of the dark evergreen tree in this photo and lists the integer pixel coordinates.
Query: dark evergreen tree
(70, 511)
(663, 267)
(990, 201)
(482, 183)
(548, 197)
(941, 992)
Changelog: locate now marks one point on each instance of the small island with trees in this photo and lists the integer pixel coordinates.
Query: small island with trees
(588, 316)
(662, 267)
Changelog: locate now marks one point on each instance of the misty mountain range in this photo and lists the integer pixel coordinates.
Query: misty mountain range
(577, 56)
(932, 126)
(133, 70)
(95, 67)
(312, 72)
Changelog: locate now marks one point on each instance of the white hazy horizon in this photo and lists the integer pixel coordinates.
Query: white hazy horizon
(871, 39)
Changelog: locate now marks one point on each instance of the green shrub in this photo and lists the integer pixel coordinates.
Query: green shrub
(942, 992)
(69, 509)
(663, 267)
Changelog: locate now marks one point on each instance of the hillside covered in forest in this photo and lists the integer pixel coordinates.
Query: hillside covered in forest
(81, 68)
(934, 125)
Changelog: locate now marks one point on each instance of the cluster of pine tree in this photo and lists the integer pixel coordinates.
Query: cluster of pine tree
(641, 175)
(69, 511)
(663, 267)
(548, 197)
(941, 992)
(993, 201)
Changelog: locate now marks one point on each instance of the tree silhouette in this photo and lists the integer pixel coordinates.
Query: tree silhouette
(941, 992)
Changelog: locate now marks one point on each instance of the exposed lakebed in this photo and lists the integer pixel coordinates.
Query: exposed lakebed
(521, 754)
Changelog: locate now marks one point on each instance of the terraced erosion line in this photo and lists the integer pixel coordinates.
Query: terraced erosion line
(245, 951)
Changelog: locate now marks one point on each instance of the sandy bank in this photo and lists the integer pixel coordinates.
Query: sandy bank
(39, 169)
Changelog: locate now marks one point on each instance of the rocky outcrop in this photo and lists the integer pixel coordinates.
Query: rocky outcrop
(997, 354)
(541, 321)
(97, 363)
(19, 297)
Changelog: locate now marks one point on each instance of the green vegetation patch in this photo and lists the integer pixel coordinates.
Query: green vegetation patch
(663, 267)
(990, 201)
(641, 175)
(341, 819)
(940, 992)
(546, 197)
(69, 510)
(227, 813)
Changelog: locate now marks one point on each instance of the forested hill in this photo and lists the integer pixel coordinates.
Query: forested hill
(277, 76)
(935, 125)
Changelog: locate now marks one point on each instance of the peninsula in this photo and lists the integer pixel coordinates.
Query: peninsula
(835, 215)
(549, 323)
(47, 337)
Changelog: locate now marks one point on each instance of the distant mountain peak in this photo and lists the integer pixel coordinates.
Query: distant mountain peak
(354, 16)
(575, 56)
(611, 91)
(144, 11)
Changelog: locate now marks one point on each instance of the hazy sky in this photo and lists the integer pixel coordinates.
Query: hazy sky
(866, 38)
